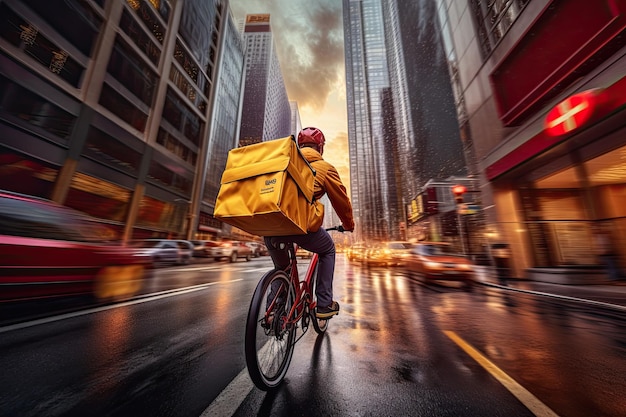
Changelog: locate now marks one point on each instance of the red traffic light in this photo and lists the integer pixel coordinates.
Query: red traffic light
(459, 190)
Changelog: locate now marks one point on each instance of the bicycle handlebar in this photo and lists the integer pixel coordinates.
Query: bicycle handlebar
(337, 228)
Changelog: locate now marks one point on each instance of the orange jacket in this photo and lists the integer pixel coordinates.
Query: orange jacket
(327, 181)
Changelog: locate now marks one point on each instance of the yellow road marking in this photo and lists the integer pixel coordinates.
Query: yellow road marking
(534, 404)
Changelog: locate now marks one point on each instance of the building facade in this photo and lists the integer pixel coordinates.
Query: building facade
(549, 139)
(106, 107)
(266, 113)
(367, 85)
(402, 126)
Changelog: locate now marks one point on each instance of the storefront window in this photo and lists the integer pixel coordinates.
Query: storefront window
(98, 198)
(160, 216)
(22, 174)
(561, 213)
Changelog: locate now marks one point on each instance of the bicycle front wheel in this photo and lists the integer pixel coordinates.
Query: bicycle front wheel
(270, 336)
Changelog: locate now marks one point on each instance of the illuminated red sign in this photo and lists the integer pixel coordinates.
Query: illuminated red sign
(571, 113)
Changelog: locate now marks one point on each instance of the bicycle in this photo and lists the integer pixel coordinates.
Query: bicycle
(280, 304)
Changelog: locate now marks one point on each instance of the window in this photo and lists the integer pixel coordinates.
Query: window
(75, 20)
(34, 109)
(124, 109)
(141, 39)
(24, 35)
(135, 74)
(111, 151)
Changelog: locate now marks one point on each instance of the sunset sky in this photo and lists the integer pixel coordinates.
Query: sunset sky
(309, 39)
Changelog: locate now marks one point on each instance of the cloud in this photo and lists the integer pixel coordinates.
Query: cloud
(309, 40)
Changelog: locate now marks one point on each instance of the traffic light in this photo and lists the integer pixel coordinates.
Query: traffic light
(458, 191)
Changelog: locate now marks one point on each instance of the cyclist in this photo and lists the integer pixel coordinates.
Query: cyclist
(327, 181)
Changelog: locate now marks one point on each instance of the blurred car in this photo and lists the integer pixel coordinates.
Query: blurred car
(255, 247)
(389, 253)
(201, 248)
(49, 250)
(231, 250)
(433, 261)
(375, 256)
(356, 252)
(263, 250)
(162, 251)
(185, 251)
(398, 251)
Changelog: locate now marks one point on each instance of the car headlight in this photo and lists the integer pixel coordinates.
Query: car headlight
(433, 265)
(467, 267)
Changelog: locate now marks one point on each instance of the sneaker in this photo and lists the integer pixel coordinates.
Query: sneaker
(327, 312)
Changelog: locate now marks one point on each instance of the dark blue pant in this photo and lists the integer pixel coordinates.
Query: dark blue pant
(318, 242)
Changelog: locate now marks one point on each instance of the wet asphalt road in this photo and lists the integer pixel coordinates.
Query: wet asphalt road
(397, 348)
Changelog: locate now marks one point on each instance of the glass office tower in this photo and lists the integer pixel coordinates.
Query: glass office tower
(402, 123)
(266, 113)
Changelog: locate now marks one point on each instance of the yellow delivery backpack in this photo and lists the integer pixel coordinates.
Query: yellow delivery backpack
(267, 189)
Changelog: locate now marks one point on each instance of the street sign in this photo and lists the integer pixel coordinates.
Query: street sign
(468, 208)
(571, 113)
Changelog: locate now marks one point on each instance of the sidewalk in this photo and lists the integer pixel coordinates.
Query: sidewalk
(609, 294)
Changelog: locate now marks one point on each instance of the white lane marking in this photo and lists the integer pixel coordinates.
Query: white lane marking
(231, 397)
(218, 267)
(229, 400)
(265, 269)
(534, 404)
(197, 268)
(150, 297)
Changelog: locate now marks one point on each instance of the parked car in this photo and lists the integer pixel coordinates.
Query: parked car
(231, 250)
(162, 251)
(49, 250)
(185, 251)
(255, 247)
(201, 248)
(263, 250)
(434, 261)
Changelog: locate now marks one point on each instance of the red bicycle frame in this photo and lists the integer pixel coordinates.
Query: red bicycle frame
(304, 289)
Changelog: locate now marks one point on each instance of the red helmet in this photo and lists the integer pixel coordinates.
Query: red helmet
(312, 135)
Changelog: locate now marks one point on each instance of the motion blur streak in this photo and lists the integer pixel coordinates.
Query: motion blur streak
(156, 296)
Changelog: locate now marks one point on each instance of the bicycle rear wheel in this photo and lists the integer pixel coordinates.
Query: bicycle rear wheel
(319, 325)
(270, 338)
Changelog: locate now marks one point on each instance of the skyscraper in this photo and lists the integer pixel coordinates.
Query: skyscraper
(110, 107)
(366, 79)
(266, 113)
(402, 125)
